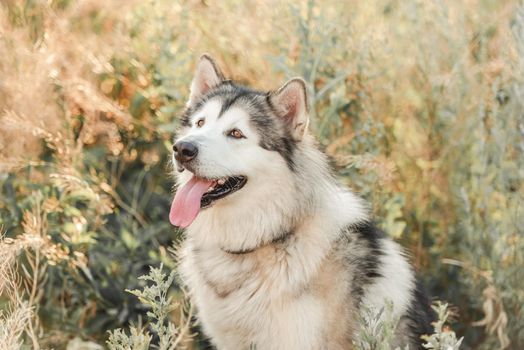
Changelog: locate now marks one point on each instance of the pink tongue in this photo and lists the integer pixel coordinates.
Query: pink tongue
(186, 204)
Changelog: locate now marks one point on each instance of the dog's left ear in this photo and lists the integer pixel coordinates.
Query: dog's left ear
(290, 102)
(207, 76)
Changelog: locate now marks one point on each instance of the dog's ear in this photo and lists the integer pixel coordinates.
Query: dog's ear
(290, 103)
(207, 76)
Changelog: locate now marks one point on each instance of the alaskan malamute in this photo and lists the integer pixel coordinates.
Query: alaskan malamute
(278, 254)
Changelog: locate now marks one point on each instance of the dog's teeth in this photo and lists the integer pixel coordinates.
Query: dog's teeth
(221, 181)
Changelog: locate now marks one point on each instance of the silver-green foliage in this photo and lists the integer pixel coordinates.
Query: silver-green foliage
(136, 340)
(376, 328)
(156, 297)
(443, 338)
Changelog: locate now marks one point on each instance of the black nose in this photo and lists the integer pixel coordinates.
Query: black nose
(184, 151)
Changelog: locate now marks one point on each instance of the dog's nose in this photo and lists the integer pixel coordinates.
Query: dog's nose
(184, 151)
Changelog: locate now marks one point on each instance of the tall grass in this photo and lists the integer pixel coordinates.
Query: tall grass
(419, 103)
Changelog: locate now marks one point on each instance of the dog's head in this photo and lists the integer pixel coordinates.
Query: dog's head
(236, 145)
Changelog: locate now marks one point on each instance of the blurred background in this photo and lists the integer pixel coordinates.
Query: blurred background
(420, 104)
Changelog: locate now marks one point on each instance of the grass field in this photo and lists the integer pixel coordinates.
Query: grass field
(419, 103)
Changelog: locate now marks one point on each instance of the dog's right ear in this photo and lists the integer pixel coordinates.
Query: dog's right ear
(207, 76)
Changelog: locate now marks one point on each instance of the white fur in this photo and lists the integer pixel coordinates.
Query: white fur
(396, 283)
(273, 306)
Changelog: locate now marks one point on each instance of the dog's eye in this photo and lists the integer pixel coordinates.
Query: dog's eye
(200, 122)
(237, 134)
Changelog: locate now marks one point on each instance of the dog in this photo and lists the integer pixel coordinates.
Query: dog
(277, 253)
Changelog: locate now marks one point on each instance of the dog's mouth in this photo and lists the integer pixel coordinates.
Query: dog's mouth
(199, 193)
(222, 188)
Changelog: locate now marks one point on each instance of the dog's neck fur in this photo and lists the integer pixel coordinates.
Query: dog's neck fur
(278, 240)
(244, 226)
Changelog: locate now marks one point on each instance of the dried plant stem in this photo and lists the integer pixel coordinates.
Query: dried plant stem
(32, 299)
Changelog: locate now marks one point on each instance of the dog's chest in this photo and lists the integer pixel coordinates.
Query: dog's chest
(256, 298)
(226, 275)
(240, 289)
